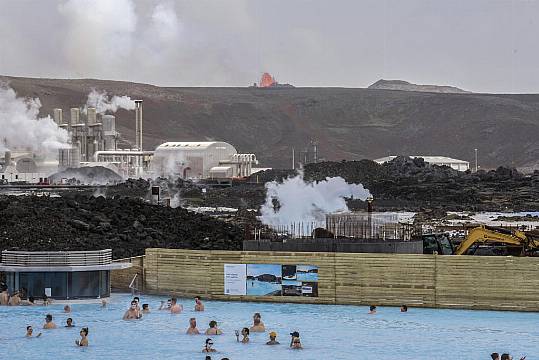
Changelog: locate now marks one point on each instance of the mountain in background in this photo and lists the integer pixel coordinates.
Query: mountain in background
(346, 123)
(406, 86)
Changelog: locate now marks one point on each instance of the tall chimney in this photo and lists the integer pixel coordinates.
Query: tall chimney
(138, 124)
(58, 116)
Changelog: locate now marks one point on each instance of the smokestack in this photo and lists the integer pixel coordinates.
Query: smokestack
(138, 124)
(75, 116)
(58, 116)
(92, 116)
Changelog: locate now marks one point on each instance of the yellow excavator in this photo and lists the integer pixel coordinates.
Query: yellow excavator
(517, 242)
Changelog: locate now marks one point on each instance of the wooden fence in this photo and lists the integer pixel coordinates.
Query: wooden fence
(470, 282)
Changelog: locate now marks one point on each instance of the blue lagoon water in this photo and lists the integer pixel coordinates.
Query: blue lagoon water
(327, 332)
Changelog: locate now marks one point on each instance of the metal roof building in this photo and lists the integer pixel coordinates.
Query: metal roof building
(456, 164)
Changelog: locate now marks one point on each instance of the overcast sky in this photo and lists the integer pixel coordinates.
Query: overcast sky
(478, 45)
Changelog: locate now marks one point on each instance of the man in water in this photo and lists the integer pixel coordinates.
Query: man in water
(83, 337)
(145, 308)
(273, 339)
(199, 306)
(15, 299)
(4, 295)
(295, 342)
(67, 309)
(175, 308)
(69, 323)
(208, 347)
(258, 325)
(49, 324)
(132, 313)
(192, 329)
(213, 329)
(30, 331)
(404, 308)
(372, 310)
(509, 357)
(30, 302)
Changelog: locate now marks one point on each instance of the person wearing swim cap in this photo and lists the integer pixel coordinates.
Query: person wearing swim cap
(273, 339)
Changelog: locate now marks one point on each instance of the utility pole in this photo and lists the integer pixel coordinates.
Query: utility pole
(293, 159)
(475, 159)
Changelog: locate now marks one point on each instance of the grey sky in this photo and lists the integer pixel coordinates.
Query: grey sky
(478, 45)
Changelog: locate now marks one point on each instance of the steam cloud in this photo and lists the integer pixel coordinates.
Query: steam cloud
(307, 202)
(20, 126)
(103, 103)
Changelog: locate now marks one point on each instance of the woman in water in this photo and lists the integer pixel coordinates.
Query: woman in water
(245, 334)
(30, 331)
(83, 337)
(213, 329)
(208, 347)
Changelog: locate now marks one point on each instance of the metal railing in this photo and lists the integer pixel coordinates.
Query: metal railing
(132, 286)
(56, 258)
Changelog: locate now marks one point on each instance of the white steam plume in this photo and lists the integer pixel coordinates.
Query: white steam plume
(103, 103)
(20, 126)
(301, 201)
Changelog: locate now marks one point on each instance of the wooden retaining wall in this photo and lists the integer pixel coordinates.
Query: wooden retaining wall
(469, 282)
(120, 279)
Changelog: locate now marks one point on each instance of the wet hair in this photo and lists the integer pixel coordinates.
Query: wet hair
(69, 319)
(495, 356)
(372, 307)
(246, 330)
(404, 307)
(31, 299)
(208, 340)
(28, 327)
(133, 302)
(213, 323)
(208, 357)
(257, 315)
(48, 317)
(145, 306)
(505, 356)
(198, 298)
(84, 330)
(174, 300)
(136, 298)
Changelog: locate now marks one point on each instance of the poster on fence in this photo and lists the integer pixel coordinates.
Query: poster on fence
(271, 280)
(235, 279)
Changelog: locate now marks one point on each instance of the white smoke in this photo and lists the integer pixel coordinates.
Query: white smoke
(302, 201)
(103, 103)
(20, 126)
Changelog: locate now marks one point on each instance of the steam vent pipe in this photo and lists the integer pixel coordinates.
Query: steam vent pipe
(138, 124)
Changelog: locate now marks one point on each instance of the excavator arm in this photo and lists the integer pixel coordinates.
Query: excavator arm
(487, 234)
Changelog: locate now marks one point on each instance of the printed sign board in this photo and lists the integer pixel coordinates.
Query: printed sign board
(235, 276)
(271, 280)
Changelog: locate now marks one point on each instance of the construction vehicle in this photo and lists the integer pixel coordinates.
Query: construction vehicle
(515, 241)
(500, 241)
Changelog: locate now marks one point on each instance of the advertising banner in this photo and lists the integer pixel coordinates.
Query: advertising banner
(271, 280)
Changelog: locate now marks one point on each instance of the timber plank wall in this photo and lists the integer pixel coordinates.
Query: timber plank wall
(467, 282)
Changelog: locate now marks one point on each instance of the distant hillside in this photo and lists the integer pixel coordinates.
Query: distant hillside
(406, 86)
(347, 123)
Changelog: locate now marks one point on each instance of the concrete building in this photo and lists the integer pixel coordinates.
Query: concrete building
(201, 160)
(456, 164)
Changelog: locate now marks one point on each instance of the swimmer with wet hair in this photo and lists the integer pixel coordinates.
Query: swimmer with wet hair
(15, 299)
(145, 308)
(132, 313)
(295, 342)
(30, 331)
(404, 308)
(83, 337)
(49, 324)
(199, 306)
(372, 310)
(67, 309)
(192, 329)
(258, 325)
(208, 348)
(175, 308)
(213, 329)
(69, 323)
(245, 334)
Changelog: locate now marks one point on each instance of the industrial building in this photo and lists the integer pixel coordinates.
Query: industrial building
(201, 160)
(456, 164)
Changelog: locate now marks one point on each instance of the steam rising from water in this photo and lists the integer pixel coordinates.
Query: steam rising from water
(307, 202)
(103, 103)
(20, 126)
